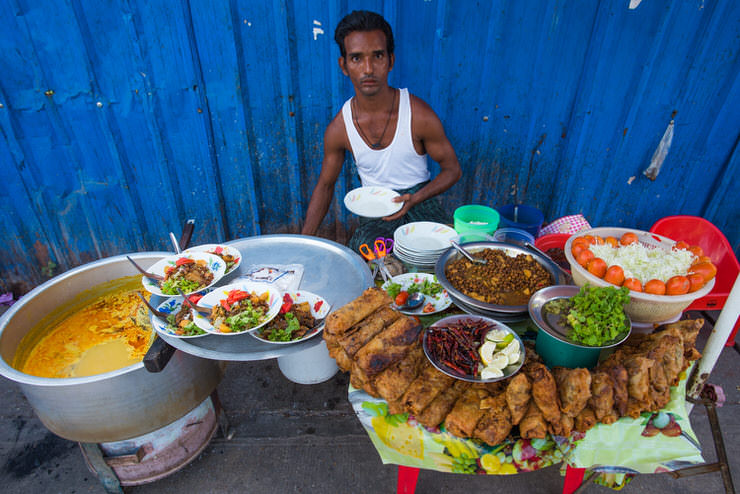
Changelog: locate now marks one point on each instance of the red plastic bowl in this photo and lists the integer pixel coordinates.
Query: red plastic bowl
(552, 241)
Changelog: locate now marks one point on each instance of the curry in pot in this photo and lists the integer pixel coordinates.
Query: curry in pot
(504, 280)
(104, 329)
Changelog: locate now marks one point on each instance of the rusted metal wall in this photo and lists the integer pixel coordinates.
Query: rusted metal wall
(122, 119)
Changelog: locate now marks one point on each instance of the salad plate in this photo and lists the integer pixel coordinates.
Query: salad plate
(172, 306)
(214, 264)
(222, 295)
(372, 202)
(231, 256)
(436, 298)
(318, 307)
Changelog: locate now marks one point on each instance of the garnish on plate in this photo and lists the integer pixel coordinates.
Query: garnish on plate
(187, 274)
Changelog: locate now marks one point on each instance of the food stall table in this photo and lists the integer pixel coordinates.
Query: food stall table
(330, 270)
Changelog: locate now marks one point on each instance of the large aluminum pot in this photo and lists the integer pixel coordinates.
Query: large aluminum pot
(114, 406)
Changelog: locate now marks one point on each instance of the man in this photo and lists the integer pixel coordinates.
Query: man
(388, 131)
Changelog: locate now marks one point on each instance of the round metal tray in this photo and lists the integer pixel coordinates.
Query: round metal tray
(509, 249)
(329, 269)
(550, 322)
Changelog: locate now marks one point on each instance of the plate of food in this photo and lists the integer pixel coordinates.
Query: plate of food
(402, 286)
(372, 202)
(190, 272)
(231, 256)
(301, 317)
(237, 308)
(473, 348)
(179, 322)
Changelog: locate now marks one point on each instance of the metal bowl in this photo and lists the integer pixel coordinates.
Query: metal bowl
(511, 250)
(508, 371)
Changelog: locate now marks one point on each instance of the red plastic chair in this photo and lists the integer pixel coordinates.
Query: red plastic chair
(698, 231)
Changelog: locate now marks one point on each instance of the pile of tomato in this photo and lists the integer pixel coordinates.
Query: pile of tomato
(701, 271)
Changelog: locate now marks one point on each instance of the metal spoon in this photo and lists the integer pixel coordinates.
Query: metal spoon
(415, 300)
(175, 243)
(568, 277)
(467, 254)
(158, 313)
(144, 272)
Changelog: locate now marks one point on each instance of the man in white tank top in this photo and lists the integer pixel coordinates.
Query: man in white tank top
(389, 132)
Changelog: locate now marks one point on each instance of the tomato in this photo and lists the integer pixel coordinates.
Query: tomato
(195, 298)
(428, 308)
(184, 260)
(701, 259)
(584, 256)
(597, 267)
(580, 241)
(225, 304)
(696, 250)
(598, 240)
(633, 284)
(614, 275)
(628, 238)
(168, 269)
(237, 295)
(680, 245)
(317, 305)
(677, 285)
(696, 281)
(401, 298)
(590, 239)
(612, 241)
(577, 249)
(656, 287)
(287, 304)
(706, 269)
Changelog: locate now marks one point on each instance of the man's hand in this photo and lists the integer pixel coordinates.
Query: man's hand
(408, 204)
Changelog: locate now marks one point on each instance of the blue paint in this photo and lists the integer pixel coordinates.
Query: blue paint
(121, 121)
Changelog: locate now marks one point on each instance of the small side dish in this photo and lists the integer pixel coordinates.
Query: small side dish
(300, 317)
(237, 308)
(400, 287)
(190, 272)
(231, 256)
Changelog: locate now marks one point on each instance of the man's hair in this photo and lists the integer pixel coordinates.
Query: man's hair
(362, 20)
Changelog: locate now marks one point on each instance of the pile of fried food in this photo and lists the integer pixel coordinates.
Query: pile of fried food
(382, 350)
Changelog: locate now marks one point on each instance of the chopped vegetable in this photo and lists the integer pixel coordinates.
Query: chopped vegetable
(393, 289)
(401, 298)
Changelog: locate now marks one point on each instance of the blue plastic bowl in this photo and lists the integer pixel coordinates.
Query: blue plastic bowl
(521, 216)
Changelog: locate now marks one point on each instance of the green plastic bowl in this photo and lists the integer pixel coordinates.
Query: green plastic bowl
(476, 218)
(555, 352)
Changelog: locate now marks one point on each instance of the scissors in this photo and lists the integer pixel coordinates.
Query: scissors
(387, 245)
(376, 256)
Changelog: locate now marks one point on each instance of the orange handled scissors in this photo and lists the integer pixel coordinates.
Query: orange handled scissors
(376, 257)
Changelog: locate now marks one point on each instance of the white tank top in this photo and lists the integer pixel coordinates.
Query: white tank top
(398, 166)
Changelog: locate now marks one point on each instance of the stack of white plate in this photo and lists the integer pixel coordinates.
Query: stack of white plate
(422, 243)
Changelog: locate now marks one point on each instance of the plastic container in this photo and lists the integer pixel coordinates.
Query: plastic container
(552, 241)
(476, 218)
(521, 216)
(310, 366)
(513, 236)
(555, 352)
(643, 307)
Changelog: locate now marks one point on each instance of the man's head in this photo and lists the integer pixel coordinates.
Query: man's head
(362, 20)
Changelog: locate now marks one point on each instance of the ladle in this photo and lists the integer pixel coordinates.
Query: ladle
(414, 301)
(144, 272)
(158, 313)
(467, 254)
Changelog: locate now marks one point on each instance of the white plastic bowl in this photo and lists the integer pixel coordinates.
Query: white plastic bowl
(643, 307)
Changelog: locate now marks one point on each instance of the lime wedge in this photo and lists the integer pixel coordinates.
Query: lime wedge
(486, 352)
(496, 335)
(499, 361)
(508, 339)
(491, 373)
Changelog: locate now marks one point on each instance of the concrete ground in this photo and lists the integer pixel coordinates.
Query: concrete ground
(306, 438)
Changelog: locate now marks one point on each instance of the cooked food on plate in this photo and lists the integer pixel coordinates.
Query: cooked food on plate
(189, 275)
(240, 311)
(503, 280)
(181, 323)
(292, 322)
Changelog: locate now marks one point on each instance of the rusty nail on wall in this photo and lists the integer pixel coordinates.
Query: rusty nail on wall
(2, 106)
(49, 92)
(99, 104)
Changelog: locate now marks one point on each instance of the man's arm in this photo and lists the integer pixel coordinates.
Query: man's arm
(335, 138)
(427, 129)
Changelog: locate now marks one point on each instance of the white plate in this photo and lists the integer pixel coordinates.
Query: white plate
(217, 249)
(274, 300)
(170, 306)
(424, 237)
(298, 297)
(215, 265)
(440, 301)
(372, 202)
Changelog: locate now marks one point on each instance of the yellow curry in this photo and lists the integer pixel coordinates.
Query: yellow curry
(104, 329)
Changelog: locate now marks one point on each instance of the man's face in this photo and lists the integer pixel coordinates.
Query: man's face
(367, 63)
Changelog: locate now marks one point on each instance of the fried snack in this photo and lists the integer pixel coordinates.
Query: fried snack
(518, 394)
(562, 427)
(395, 407)
(638, 384)
(533, 425)
(393, 382)
(388, 347)
(360, 380)
(574, 389)
(544, 391)
(428, 384)
(442, 404)
(602, 394)
(585, 420)
(466, 413)
(619, 379)
(339, 321)
(495, 424)
(357, 336)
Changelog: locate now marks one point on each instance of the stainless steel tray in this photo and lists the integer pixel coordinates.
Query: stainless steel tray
(330, 270)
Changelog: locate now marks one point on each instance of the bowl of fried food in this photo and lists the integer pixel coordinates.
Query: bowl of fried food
(501, 286)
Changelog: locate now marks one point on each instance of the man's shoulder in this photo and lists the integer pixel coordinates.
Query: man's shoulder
(336, 134)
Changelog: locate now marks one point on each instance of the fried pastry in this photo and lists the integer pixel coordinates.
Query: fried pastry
(533, 424)
(495, 424)
(574, 389)
(388, 347)
(518, 394)
(340, 320)
(544, 391)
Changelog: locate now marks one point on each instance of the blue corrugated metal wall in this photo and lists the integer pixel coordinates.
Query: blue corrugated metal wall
(122, 119)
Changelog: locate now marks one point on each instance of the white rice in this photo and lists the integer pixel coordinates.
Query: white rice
(645, 263)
